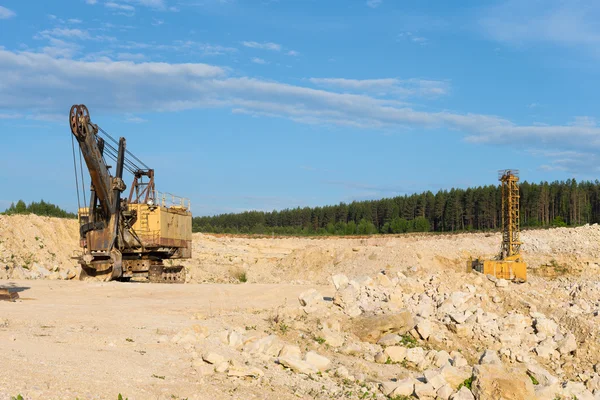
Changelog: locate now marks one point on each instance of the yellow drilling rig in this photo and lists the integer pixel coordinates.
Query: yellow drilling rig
(509, 264)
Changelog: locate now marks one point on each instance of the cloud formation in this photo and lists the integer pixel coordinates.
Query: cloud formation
(5, 13)
(263, 46)
(38, 83)
(387, 86)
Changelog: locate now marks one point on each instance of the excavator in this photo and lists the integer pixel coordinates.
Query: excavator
(125, 237)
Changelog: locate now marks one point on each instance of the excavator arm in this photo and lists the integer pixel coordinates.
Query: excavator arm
(101, 232)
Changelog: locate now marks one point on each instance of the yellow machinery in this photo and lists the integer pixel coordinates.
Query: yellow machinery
(509, 263)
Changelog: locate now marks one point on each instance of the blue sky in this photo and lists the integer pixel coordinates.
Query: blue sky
(271, 104)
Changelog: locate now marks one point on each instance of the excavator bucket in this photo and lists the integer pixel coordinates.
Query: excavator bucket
(7, 295)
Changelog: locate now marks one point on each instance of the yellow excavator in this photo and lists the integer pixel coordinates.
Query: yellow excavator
(125, 237)
(509, 264)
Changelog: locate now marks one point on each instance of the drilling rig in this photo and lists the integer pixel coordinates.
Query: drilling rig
(509, 264)
(125, 237)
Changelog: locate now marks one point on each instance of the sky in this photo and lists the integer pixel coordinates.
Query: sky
(270, 104)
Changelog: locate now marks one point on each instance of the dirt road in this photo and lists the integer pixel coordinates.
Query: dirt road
(68, 340)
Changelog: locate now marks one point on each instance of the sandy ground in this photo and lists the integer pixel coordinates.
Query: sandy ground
(67, 340)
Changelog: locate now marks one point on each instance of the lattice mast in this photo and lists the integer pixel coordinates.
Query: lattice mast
(511, 242)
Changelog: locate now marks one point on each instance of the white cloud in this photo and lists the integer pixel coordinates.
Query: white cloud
(257, 60)
(157, 22)
(43, 84)
(116, 6)
(135, 120)
(562, 23)
(293, 53)
(374, 3)
(131, 56)
(410, 36)
(74, 21)
(387, 86)
(92, 2)
(5, 13)
(187, 46)
(263, 46)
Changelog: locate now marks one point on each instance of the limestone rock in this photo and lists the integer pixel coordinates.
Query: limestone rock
(416, 355)
(405, 387)
(390, 339)
(445, 392)
(493, 381)
(424, 328)
(455, 375)
(425, 390)
(372, 328)
(340, 281)
(289, 350)
(490, 357)
(465, 394)
(310, 297)
(396, 353)
(544, 377)
(213, 358)
(317, 360)
(568, 345)
(297, 365)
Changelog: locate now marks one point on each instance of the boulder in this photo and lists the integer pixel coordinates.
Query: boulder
(333, 339)
(318, 361)
(546, 326)
(541, 375)
(290, 350)
(465, 394)
(568, 344)
(405, 387)
(434, 378)
(455, 375)
(390, 339)
(372, 328)
(424, 328)
(490, 357)
(493, 381)
(340, 281)
(396, 353)
(425, 390)
(310, 297)
(444, 392)
(213, 358)
(416, 355)
(297, 365)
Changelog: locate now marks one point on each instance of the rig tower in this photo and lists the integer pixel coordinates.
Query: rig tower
(509, 264)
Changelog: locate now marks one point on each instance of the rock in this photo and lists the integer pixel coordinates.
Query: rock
(456, 375)
(362, 281)
(434, 378)
(372, 328)
(442, 358)
(269, 345)
(546, 326)
(490, 357)
(383, 280)
(317, 360)
(593, 384)
(19, 273)
(416, 355)
(424, 329)
(425, 390)
(340, 281)
(396, 353)
(496, 299)
(381, 358)
(297, 365)
(461, 330)
(501, 283)
(445, 392)
(235, 340)
(289, 350)
(310, 297)
(351, 349)
(541, 375)
(346, 296)
(222, 367)
(333, 339)
(342, 372)
(239, 370)
(493, 381)
(388, 387)
(213, 358)
(465, 394)
(577, 390)
(390, 339)
(405, 387)
(567, 345)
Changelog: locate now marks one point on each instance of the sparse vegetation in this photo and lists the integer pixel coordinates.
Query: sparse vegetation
(320, 340)
(467, 383)
(408, 341)
(533, 379)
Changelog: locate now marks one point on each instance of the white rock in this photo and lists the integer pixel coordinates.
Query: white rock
(381, 358)
(445, 392)
(317, 360)
(463, 394)
(383, 280)
(269, 345)
(298, 365)
(568, 345)
(490, 357)
(213, 358)
(501, 283)
(434, 378)
(396, 353)
(388, 387)
(405, 387)
(390, 339)
(424, 328)
(415, 355)
(342, 372)
(333, 339)
(424, 390)
(290, 350)
(340, 281)
(541, 375)
(441, 359)
(310, 297)
(235, 340)
(456, 375)
(546, 326)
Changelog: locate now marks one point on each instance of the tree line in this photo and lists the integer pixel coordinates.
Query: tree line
(38, 208)
(559, 203)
